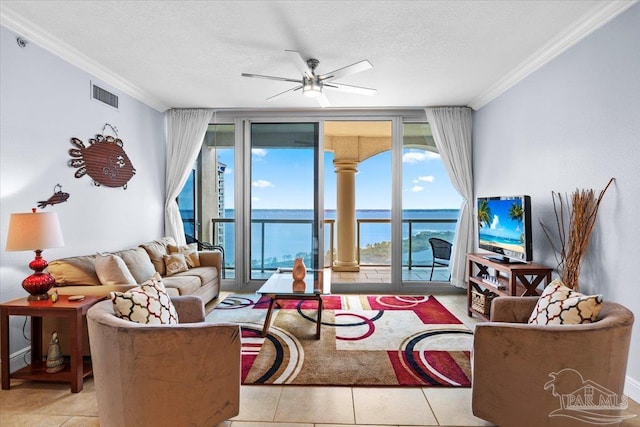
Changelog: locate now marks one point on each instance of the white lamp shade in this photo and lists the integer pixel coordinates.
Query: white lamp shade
(34, 230)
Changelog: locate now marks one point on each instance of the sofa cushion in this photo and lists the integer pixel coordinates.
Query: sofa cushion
(190, 253)
(182, 284)
(78, 270)
(112, 270)
(149, 303)
(157, 249)
(139, 263)
(560, 305)
(175, 263)
(205, 274)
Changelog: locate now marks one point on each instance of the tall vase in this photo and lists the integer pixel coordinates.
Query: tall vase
(299, 269)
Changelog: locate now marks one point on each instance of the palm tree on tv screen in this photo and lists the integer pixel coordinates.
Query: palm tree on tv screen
(516, 212)
(484, 214)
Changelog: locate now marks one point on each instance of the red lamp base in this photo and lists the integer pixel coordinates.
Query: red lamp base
(39, 283)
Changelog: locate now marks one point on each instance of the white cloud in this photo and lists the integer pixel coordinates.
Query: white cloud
(419, 156)
(262, 183)
(495, 222)
(228, 171)
(427, 178)
(255, 199)
(417, 188)
(260, 152)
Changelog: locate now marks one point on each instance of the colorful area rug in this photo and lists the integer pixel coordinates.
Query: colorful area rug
(365, 341)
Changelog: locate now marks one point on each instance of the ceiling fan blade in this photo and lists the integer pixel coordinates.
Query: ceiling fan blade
(323, 101)
(282, 79)
(349, 88)
(293, 89)
(347, 71)
(300, 63)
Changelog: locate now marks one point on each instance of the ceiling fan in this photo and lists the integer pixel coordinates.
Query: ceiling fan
(312, 84)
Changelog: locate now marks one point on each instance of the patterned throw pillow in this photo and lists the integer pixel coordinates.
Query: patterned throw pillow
(149, 303)
(560, 305)
(190, 253)
(175, 263)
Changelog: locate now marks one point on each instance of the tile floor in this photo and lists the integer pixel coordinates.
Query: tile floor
(41, 404)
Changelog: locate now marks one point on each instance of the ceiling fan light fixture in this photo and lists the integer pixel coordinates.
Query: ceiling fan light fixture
(311, 88)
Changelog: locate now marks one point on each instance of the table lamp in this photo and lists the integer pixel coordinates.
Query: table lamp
(35, 231)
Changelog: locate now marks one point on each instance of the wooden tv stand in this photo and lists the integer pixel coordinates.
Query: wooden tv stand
(515, 279)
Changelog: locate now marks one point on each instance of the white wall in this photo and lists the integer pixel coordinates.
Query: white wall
(44, 102)
(575, 123)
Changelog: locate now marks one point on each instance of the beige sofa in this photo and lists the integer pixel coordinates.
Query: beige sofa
(187, 374)
(522, 372)
(77, 276)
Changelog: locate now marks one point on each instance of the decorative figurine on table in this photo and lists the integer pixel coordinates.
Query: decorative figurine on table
(55, 361)
(299, 269)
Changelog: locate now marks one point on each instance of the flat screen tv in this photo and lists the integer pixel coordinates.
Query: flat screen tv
(504, 228)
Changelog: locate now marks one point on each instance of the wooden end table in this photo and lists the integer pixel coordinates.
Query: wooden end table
(75, 368)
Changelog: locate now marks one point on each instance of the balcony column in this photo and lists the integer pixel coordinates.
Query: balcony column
(346, 215)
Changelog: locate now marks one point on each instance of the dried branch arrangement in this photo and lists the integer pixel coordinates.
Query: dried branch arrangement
(580, 211)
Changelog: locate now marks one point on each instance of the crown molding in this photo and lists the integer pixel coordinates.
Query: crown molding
(40, 37)
(588, 23)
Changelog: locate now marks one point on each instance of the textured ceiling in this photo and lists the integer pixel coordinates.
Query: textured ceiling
(174, 54)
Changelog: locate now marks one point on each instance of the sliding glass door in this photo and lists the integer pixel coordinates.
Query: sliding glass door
(357, 188)
(283, 211)
(429, 207)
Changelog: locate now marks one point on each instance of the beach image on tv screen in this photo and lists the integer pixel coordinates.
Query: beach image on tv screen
(501, 223)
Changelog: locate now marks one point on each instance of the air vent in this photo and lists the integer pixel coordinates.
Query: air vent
(104, 96)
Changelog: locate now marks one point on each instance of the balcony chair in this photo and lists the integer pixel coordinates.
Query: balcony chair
(206, 246)
(513, 363)
(185, 374)
(441, 250)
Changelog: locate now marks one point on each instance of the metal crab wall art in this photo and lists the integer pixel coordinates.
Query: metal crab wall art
(104, 160)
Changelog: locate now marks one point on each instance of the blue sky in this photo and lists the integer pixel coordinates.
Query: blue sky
(283, 179)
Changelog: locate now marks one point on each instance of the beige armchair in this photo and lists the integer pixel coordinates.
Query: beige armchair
(513, 363)
(178, 375)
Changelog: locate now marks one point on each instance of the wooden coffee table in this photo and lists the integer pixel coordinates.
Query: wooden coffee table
(281, 286)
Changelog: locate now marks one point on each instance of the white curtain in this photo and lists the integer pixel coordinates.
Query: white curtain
(186, 130)
(451, 128)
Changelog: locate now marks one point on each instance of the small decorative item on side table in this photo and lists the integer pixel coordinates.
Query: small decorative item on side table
(55, 361)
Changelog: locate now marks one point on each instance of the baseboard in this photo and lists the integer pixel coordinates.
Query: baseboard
(632, 388)
(16, 360)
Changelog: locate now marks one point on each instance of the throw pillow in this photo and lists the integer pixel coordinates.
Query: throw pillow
(149, 303)
(175, 263)
(139, 263)
(560, 305)
(79, 270)
(190, 254)
(156, 249)
(112, 270)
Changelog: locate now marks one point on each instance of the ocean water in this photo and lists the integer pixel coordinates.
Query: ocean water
(276, 244)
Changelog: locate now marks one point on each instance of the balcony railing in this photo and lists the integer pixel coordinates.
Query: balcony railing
(408, 248)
